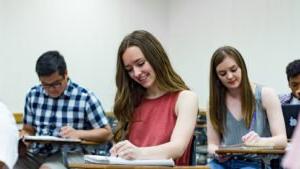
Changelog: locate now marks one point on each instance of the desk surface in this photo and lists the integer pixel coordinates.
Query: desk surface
(265, 153)
(252, 150)
(84, 142)
(99, 166)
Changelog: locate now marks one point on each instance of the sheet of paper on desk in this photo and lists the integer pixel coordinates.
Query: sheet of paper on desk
(50, 138)
(116, 160)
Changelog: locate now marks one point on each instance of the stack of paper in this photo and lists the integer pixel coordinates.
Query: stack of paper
(117, 160)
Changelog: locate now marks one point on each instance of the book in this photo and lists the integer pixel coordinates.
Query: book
(119, 161)
(50, 139)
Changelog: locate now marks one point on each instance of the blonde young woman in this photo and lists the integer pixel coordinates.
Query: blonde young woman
(155, 109)
(240, 111)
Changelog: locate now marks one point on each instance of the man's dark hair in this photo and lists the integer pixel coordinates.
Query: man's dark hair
(293, 69)
(49, 63)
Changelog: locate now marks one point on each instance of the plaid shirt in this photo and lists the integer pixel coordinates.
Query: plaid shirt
(288, 99)
(76, 107)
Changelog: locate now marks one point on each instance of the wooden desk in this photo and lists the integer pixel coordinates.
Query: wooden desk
(99, 166)
(250, 150)
(83, 142)
(18, 117)
(64, 146)
(266, 153)
(203, 111)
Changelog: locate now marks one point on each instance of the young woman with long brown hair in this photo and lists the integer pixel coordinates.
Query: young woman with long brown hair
(155, 109)
(240, 111)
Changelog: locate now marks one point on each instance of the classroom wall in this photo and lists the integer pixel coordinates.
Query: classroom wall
(266, 32)
(88, 32)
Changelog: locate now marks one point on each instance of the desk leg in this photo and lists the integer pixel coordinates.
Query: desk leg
(64, 151)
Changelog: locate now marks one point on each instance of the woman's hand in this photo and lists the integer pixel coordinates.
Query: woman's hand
(126, 150)
(251, 138)
(212, 151)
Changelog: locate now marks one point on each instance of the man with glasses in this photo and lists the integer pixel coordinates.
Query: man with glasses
(59, 107)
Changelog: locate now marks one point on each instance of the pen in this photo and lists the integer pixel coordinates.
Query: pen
(253, 121)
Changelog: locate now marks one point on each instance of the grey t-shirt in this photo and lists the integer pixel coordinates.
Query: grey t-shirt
(235, 129)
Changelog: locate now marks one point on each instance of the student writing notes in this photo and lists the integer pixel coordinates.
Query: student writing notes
(59, 107)
(155, 109)
(240, 111)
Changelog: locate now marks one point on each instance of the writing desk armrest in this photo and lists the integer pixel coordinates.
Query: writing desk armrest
(244, 149)
(99, 166)
(86, 142)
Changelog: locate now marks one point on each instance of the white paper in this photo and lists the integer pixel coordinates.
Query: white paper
(117, 160)
(50, 138)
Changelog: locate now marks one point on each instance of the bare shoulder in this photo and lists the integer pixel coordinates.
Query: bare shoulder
(269, 97)
(187, 97)
(187, 103)
(268, 91)
(187, 94)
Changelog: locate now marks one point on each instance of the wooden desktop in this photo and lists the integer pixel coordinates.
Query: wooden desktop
(99, 166)
(274, 153)
(263, 150)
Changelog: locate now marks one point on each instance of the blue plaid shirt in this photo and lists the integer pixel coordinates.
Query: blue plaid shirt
(288, 99)
(76, 107)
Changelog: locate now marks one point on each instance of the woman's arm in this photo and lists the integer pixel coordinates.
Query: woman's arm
(272, 106)
(213, 138)
(186, 109)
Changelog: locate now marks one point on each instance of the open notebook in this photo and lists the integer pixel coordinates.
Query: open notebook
(116, 160)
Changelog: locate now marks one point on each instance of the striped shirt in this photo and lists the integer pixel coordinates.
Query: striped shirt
(76, 107)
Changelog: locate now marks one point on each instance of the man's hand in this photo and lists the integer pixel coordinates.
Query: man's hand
(69, 132)
(22, 147)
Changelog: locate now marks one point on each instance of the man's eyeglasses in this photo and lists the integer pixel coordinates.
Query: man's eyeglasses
(53, 85)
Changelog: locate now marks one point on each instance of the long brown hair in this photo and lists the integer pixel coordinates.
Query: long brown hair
(130, 93)
(217, 91)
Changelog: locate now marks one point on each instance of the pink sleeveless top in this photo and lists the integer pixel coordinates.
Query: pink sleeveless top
(153, 124)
